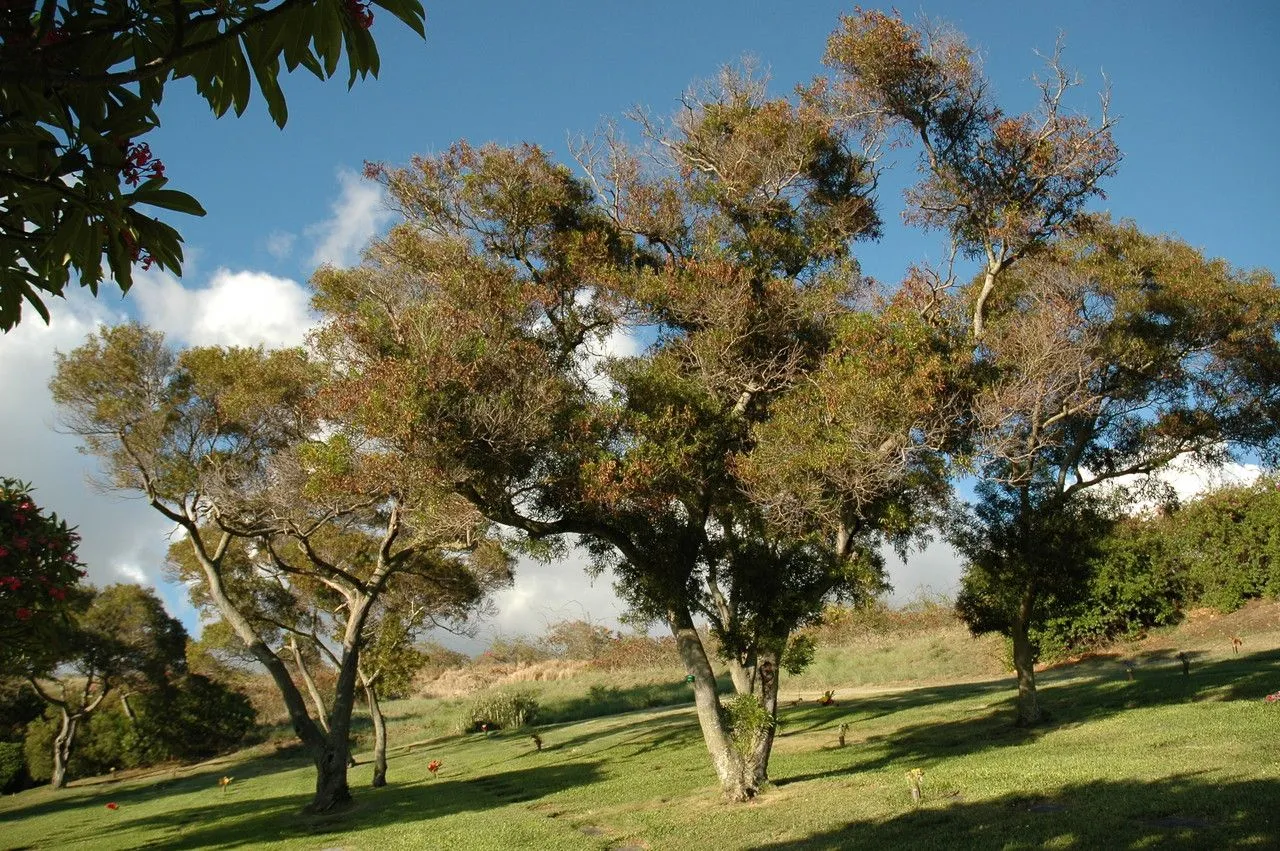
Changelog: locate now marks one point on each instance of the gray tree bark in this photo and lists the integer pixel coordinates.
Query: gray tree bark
(379, 732)
(737, 780)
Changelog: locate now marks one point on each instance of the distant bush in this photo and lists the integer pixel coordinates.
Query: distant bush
(513, 651)
(633, 652)
(844, 625)
(1132, 586)
(577, 639)
(1227, 545)
(13, 767)
(499, 710)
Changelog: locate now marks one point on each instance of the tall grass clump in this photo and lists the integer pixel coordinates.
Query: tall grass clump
(499, 710)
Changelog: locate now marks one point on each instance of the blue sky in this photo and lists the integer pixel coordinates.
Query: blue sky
(1195, 85)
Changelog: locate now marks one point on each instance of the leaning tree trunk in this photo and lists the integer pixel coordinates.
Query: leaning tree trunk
(62, 745)
(317, 700)
(331, 789)
(762, 748)
(379, 732)
(1024, 662)
(736, 779)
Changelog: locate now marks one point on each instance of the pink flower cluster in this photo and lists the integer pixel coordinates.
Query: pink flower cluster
(1273, 698)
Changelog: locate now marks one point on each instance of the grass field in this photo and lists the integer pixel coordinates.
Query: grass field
(1160, 761)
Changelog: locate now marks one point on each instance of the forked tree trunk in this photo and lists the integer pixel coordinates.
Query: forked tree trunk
(1024, 662)
(737, 780)
(62, 747)
(317, 700)
(379, 733)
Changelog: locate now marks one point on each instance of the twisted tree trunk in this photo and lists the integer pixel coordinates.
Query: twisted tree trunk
(62, 746)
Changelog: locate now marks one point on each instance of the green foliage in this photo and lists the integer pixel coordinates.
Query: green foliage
(1132, 587)
(38, 574)
(747, 718)
(80, 84)
(799, 655)
(499, 710)
(1227, 545)
(37, 748)
(1220, 550)
(19, 705)
(13, 767)
(1009, 545)
(195, 719)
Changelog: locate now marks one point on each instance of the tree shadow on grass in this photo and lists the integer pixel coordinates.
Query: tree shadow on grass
(806, 718)
(99, 791)
(638, 737)
(1178, 812)
(1068, 699)
(602, 700)
(241, 822)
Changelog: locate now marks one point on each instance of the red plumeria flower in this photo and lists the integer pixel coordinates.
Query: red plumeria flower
(113, 806)
(23, 614)
(359, 13)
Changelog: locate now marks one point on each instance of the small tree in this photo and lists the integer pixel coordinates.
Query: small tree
(1106, 358)
(122, 633)
(223, 442)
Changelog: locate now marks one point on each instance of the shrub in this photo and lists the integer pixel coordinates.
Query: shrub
(635, 652)
(198, 719)
(37, 748)
(1132, 586)
(499, 710)
(1228, 545)
(13, 767)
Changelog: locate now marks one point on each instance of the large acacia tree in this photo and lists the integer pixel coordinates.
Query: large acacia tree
(116, 638)
(227, 444)
(472, 339)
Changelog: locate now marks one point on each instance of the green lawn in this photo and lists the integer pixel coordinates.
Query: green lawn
(1161, 761)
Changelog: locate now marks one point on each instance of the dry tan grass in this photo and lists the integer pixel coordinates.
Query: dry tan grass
(460, 682)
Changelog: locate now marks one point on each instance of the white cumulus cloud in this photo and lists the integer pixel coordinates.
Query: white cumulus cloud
(358, 214)
(244, 308)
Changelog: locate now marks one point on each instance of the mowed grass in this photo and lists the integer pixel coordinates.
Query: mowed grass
(1160, 761)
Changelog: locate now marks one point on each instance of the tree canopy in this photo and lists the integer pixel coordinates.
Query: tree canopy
(80, 87)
